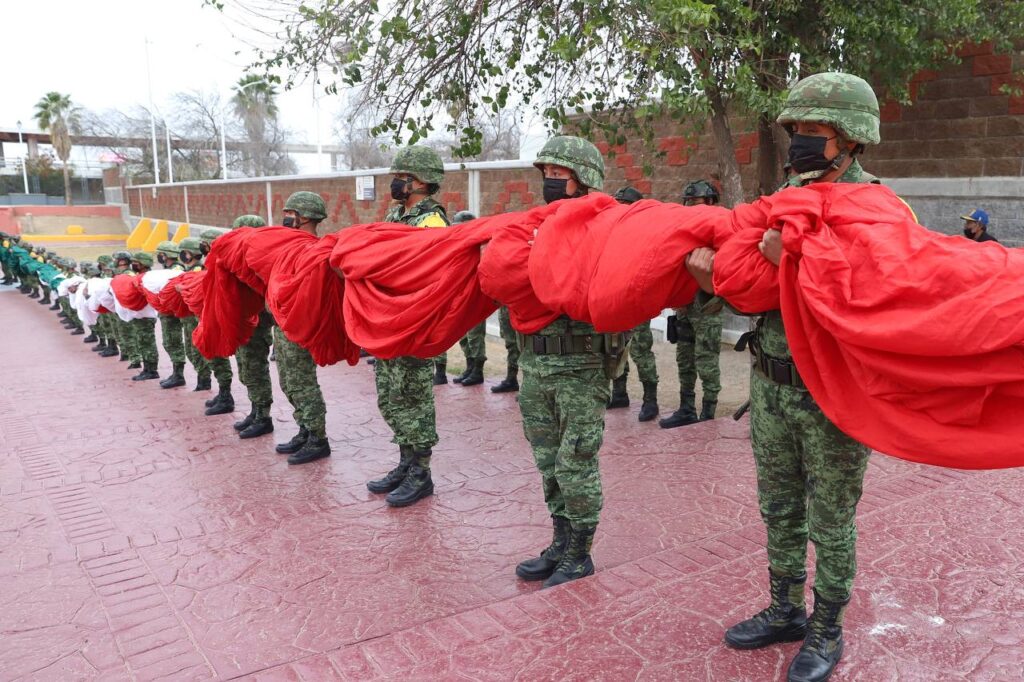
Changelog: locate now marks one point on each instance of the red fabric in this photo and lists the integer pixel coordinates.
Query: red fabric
(910, 341)
(129, 291)
(190, 287)
(169, 300)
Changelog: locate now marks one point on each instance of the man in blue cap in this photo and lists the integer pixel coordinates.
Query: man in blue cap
(976, 227)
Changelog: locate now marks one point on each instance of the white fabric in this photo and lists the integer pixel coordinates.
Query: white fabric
(156, 280)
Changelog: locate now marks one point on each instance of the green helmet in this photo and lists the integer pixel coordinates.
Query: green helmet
(842, 100)
(211, 233)
(578, 155)
(421, 162)
(248, 221)
(462, 217)
(192, 245)
(168, 248)
(307, 204)
(70, 263)
(89, 269)
(105, 260)
(701, 189)
(143, 258)
(121, 255)
(628, 195)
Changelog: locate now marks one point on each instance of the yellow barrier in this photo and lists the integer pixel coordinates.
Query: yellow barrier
(181, 233)
(159, 234)
(78, 238)
(138, 237)
(76, 229)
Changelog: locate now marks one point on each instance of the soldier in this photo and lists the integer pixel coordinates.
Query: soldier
(223, 402)
(253, 364)
(567, 367)
(296, 369)
(641, 349)
(474, 343)
(696, 331)
(810, 474)
(144, 328)
(511, 381)
(107, 321)
(190, 254)
(404, 393)
(976, 226)
(125, 332)
(5, 259)
(171, 330)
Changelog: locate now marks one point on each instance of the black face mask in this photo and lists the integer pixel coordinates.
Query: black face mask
(136, 267)
(161, 259)
(186, 258)
(554, 189)
(289, 221)
(205, 248)
(807, 153)
(400, 189)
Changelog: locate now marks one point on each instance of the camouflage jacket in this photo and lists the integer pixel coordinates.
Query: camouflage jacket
(426, 213)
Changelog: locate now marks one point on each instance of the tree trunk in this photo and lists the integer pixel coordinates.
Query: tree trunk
(732, 183)
(67, 185)
(772, 146)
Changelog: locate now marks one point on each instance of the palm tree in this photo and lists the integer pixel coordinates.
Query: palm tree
(56, 113)
(254, 103)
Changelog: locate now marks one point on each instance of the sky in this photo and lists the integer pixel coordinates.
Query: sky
(96, 52)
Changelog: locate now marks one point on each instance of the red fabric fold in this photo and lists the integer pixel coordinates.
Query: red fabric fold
(129, 291)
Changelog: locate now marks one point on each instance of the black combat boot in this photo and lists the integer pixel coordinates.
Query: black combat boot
(92, 338)
(68, 324)
(261, 425)
(315, 447)
(620, 398)
(62, 315)
(707, 410)
(102, 345)
(202, 384)
(34, 294)
(176, 378)
(295, 444)
(223, 403)
(686, 414)
(440, 377)
(823, 646)
(785, 619)
(243, 424)
(45, 300)
(393, 478)
(135, 364)
(148, 372)
(476, 372)
(417, 483)
(111, 350)
(77, 331)
(465, 373)
(544, 565)
(55, 306)
(575, 562)
(649, 410)
(510, 383)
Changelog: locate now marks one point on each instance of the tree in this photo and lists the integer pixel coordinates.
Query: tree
(614, 66)
(56, 113)
(254, 103)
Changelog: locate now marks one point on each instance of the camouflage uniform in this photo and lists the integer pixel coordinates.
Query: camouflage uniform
(565, 390)
(193, 247)
(698, 348)
(144, 329)
(508, 335)
(125, 331)
(809, 473)
(223, 402)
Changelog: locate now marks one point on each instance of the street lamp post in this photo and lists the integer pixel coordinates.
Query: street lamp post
(152, 121)
(24, 169)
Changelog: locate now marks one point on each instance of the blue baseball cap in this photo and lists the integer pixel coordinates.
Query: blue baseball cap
(978, 216)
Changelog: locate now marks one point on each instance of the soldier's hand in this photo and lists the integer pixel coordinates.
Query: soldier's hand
(701, 264)
(771, 246)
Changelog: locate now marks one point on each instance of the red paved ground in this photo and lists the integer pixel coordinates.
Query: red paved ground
(140, 540)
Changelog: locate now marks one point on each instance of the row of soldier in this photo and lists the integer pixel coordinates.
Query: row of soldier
(810, 474)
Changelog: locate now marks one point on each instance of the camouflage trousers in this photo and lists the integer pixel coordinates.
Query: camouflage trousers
(126, 340)
(641, 349)
(697, 351)
(221, 368)
(201, 364)
(254, 366)
(105, 326)
(508, 335)
(297, 373)
(144, 335)
(174, 342)
(809, 480)
(563, 406)
(474, 343)
(7, 269)
(405, 397)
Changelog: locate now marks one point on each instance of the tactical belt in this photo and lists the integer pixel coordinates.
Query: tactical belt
(774, 369)
(567, 344)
